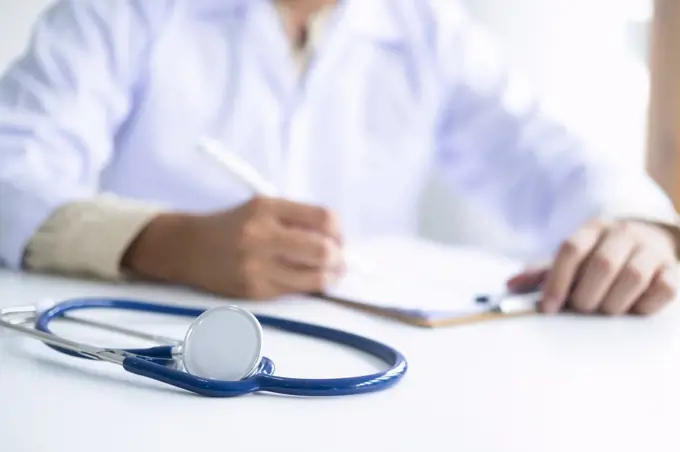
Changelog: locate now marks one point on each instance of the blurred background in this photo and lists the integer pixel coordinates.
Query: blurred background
(588, 60)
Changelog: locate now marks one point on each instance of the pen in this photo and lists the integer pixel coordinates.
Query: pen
(249, 176)
(238, 168)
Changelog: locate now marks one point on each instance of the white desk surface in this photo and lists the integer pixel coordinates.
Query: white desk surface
(534, 384)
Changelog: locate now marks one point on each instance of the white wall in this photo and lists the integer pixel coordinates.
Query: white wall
(576, 52)
(579, 56)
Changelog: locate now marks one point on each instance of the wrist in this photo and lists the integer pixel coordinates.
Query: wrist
(669, 230)
(159, 251)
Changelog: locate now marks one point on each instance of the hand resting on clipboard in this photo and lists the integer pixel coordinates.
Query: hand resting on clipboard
(428, 284)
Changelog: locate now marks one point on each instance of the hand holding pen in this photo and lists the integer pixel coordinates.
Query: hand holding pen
(261, 187)
(266, 248)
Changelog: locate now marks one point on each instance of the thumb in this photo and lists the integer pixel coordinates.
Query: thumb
(528, 280)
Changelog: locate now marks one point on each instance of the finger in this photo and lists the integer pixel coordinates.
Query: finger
(662, 290)
(527, 281)
(301, 280)
(631, 282)
(307, 216)
(305, 248)
(600, 270)
(567, 262)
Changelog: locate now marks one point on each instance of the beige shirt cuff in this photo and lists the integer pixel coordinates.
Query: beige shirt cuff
(89, 238)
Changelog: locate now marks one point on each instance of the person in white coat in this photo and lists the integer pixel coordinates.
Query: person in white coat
(346, 106)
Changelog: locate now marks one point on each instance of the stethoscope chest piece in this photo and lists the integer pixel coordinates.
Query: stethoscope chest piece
(223, 343)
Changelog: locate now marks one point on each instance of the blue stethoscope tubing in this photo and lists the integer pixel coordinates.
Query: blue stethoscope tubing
(153, 362)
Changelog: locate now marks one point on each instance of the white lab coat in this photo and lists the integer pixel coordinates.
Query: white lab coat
(112, 96)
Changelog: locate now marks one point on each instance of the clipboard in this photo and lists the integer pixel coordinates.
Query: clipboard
(428, 319)
(411, 272)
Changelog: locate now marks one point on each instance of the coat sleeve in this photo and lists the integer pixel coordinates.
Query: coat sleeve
(61, 104)
(500, 148)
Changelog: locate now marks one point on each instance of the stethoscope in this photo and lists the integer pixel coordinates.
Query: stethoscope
(220, 355)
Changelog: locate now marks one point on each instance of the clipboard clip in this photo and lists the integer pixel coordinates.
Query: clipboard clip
(511, 303)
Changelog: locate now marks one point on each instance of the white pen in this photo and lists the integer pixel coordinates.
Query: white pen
(249, 176)
(238, 168)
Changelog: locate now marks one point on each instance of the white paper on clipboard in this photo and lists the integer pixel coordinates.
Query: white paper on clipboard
(416, 275)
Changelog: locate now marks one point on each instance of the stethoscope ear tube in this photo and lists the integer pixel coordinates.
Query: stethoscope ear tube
(152, 368)
(261, 382)
(145, 368)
